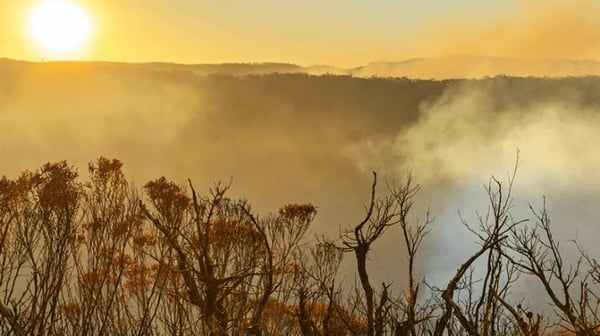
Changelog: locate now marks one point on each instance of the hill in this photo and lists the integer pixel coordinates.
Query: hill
(450, 67)
(305, 138)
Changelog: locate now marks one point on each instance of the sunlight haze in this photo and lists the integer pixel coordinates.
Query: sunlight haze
(60, 28)
(338, 33)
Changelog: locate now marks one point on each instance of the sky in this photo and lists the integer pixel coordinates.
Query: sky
(342, 33)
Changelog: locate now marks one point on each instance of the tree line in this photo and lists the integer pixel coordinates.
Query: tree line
(102, 257)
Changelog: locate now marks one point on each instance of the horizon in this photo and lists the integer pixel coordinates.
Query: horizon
(338, 34)
(440, 68)
(259, 62)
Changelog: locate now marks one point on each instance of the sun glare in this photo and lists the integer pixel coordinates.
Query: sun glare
(60, 28)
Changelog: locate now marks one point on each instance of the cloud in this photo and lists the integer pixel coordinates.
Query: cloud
(517, 41)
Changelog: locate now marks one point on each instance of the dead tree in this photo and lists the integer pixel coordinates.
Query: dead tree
(566, 284)
(413, 237)
(11, 200)
(213, 242)
(280, 236)
(527, 323)
(380, 215)
(494, 229)
(318, 292)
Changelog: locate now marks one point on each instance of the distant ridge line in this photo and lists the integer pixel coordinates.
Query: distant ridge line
(452, 67)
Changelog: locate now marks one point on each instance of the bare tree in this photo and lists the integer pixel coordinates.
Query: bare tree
(481, 313)
(38, 217)
(213, 243)
(566, 284)
(318, 295)
(413, 237)
(380, 215)
(281, 238)
(12, 261)
(114, 289)
(93, 258)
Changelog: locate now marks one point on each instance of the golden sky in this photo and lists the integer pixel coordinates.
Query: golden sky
(335, 32)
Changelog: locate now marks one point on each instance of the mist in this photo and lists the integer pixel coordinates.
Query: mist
(295, 137)
(533, 38)
(546, 128)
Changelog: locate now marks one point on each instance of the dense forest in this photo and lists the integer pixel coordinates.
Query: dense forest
(98, 256)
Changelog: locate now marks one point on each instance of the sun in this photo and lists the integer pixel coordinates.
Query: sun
(60, 28)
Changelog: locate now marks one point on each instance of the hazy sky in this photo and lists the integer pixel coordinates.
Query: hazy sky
(335, 32)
